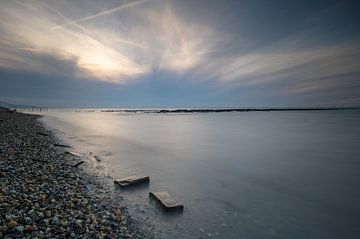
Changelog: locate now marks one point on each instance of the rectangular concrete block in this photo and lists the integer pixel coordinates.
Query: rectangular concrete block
(166, 200)
(132, 180)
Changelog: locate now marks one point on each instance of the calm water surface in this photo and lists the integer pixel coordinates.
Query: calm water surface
(239, 175)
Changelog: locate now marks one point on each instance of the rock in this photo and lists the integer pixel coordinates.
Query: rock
(12, 224)
(30, 212)
(3, 228)
(27, 220)
(31, 229)
(46, 222)
(48, 213)
(19, 228)
(55, 220)
(166, 200)
(132, 180)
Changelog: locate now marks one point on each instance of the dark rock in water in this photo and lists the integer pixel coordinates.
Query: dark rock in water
(62, 145)
(132, 180)
(165, 199)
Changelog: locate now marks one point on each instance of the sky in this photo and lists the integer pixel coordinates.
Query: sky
(180, 53)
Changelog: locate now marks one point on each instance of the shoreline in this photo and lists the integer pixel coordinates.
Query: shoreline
(44, 195)
(223, 110)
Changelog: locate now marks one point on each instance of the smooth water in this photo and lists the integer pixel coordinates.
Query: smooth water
(239, 175)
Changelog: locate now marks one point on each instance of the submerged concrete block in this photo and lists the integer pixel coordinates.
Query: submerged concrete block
(132, 180)
(166, 200)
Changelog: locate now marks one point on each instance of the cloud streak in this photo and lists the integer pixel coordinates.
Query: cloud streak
(157, 39)
(100, 14)
(136, 40)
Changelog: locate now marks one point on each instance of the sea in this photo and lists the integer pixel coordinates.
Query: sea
(275, 174)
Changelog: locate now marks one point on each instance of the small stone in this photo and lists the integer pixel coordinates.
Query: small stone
(72, 235)
(55, 220)
(3, 228)
(31, 229)
(12, 224)
(48, 213)
(27, 220)
(19, 228)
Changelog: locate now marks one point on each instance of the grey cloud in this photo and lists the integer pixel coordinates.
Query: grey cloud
(240, 47)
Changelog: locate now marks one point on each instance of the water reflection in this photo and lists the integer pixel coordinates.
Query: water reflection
(239, 175)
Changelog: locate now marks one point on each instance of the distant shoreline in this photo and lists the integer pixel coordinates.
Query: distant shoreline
(222, 110)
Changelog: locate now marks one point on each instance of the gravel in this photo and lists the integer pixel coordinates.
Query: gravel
(42, 194)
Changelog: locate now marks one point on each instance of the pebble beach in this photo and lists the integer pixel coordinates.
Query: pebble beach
(45, 195)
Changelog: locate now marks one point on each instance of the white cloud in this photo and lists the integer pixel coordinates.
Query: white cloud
(130, 40)
(154, 38)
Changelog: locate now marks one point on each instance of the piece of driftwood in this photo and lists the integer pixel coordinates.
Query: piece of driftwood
(62, 145)
(41, 133)
(78, 164)
(166, 200)
(132, 180)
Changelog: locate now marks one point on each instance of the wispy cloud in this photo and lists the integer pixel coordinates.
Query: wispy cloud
(135, 39)
(157, 39)
(103, 13)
